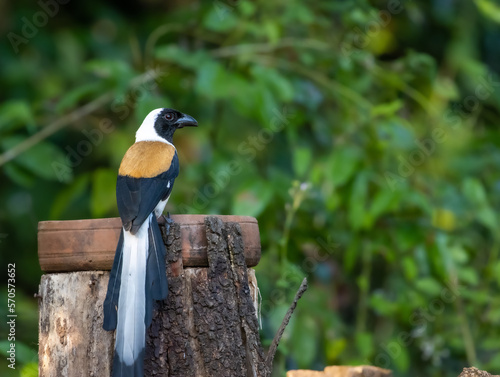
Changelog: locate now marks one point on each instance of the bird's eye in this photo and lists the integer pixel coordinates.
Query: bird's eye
(169, 116)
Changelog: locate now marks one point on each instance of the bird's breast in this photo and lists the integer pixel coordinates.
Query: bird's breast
(147, 159)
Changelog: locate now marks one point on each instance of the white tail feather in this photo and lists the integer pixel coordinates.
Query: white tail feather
(131, 329)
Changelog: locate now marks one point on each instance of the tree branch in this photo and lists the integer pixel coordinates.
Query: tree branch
(284, 324)
(66, 120)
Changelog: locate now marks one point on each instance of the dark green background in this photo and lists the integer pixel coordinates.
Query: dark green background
(363, 135)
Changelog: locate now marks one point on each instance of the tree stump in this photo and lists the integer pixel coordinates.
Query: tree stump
(207, 326)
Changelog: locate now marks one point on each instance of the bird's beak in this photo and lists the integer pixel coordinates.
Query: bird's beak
(186, 121)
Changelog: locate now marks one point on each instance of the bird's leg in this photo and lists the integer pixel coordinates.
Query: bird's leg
(167, 220)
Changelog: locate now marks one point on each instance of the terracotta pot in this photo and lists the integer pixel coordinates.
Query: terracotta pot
(78, 245)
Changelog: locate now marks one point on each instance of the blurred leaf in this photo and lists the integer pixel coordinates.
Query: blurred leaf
(429, 286)
(459, 254)
(221, 17)
(494, 362)
(291, 277)
(387, 109)
(107, 68)
(352, 254)
(24, 354)
(305, 339)
(343, 163)
(253, 200)
(215, 82)
(384, 43)
(246, 7)
(265, 101)
(103, 192)
(29, 370)
(496, 272)
(364, 344)
(384, 201)
(489, 9)
(277, 313)
(474, 191)
(69, 195)
(469, 276)
(187, 59)
(272, 31)
(334, 347)
(443, 219)
(71, 53)
(422, 260)
(301, 160)
(357, 202)
(488, 218)
(307, 93)
(410, 268)
(149, 102)
(278, 84)
(446, 88)
(40, 160)
(15, 114)
(19, 175)
(363, 282)
(381, 305)
(441, 257)
(400, 355)
(116, 72)
(73, 97)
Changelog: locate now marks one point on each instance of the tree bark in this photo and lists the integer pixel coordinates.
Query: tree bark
(207, 326)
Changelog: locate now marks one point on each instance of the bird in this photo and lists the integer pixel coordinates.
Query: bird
(138, 276)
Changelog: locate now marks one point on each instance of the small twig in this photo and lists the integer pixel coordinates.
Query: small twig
(255, 48)
(55, 126)
(284, 324)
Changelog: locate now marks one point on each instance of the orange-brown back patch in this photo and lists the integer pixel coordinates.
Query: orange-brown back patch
(147, 159)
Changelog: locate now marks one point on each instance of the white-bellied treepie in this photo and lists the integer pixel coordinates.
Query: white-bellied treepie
(145, 180)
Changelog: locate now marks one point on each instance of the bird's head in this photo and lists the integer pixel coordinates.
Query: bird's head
(160, 125)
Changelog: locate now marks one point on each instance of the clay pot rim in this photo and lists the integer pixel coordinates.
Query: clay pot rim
(115, 222)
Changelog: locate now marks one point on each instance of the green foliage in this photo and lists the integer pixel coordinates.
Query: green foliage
(362, 135)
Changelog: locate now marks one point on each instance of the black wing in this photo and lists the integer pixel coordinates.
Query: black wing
(138, 197)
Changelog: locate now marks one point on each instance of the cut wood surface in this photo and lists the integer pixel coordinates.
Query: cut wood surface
(474, 372)
(343, 371)
(82, 245)
(370, 371)
(71, 339)
(206, 327)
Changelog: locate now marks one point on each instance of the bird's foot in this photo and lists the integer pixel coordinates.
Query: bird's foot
(167, 220)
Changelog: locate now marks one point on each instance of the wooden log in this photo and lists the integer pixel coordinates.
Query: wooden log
(356, 371)
(343, 371)
(207, 326)
(474, 372)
